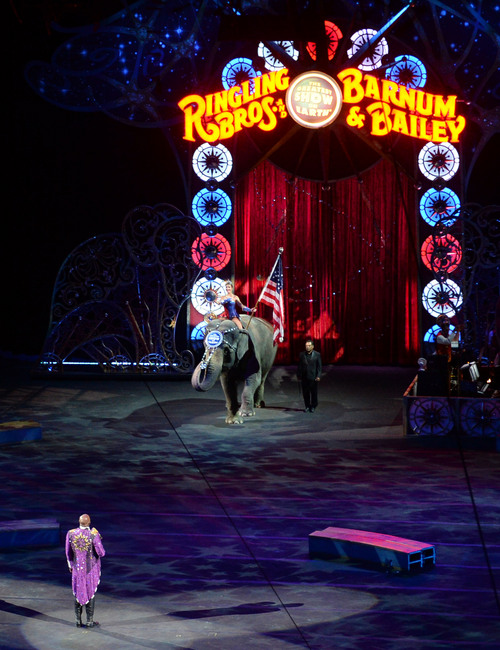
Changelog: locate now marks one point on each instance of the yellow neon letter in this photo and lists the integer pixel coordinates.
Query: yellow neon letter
(439, 131)
(193, 107)
(282, 81)
(406, 98)
(381, 122)
(456, 127)
(353, 91)
(424, 104)
(372, 89)
(399, 123)
(241, 119)
(234, 97)
(267, 108)
(220, 102)
(390, 92)
(444, 108)
(226, 125)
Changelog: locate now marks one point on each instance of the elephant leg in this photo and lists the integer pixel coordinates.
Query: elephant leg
(248, 396)
(259, 395)
(231, 392)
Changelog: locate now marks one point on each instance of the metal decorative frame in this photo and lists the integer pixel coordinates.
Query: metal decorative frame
(407, 71)
(441, 254)
(271, 61)
(203, 296)
(212, 162)
(211, 251)
(374, 59)
(198, 332)
(439, 206)
(430, 417)
(238, 70)
(481, 417)
(333, 34)
(438, 161)
(211, 207)
(442, 298)
(118, 298)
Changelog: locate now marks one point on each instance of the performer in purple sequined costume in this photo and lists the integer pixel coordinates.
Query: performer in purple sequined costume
(84, 550)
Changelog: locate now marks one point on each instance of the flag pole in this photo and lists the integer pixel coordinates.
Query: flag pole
(280, 252)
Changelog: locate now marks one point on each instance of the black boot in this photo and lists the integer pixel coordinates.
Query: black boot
(89, 608)
(78, 614)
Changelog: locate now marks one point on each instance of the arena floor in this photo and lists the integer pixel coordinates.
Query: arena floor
(206, 525)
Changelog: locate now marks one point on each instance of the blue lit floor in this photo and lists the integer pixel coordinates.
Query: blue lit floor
(206, 526)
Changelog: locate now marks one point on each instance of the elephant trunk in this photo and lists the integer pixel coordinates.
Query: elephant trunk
(206, 374)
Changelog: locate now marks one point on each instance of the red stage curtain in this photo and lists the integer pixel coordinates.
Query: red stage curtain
(350, 261)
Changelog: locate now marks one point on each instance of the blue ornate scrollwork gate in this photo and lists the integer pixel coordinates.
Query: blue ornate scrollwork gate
(119, 299)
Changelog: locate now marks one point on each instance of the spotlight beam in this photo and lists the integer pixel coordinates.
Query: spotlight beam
(282, 55)
(360, 54)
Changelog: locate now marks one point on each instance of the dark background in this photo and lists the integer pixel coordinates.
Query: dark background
(71, 175)
(68, 176)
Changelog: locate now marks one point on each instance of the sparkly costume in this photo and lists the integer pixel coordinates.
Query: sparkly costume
(84, 550)
(230, 307)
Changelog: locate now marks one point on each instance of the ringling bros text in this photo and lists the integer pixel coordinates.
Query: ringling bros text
(379, 104)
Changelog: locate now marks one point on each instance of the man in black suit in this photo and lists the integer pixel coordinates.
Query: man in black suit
(309, 374)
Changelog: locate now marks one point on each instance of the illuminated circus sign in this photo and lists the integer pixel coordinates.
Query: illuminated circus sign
(219, 116)
(315, 100)
(394, 107)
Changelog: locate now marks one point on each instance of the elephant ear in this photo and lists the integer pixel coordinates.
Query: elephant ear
(246, 347)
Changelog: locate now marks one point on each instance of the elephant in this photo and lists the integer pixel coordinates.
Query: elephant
(237, 356)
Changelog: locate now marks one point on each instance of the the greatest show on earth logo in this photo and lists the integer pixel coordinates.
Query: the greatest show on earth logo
(314, 99)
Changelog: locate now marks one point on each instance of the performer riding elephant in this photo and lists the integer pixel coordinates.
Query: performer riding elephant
(236, 356)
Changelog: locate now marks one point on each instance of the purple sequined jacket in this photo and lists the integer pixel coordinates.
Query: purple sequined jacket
(84, 550)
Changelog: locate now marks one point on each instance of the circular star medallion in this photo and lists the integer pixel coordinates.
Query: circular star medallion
(314, 99)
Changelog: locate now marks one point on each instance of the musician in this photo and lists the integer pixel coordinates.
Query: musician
(233, 305)
(444, 339)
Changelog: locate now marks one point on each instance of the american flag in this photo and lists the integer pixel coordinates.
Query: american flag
(272, 295)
